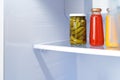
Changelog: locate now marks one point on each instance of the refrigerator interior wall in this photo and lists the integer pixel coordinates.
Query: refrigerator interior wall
(37, 21)
(91, 67)
(57, 65)
(28, 22)
(76, 6)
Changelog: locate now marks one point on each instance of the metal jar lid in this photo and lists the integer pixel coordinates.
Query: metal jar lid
(96, 9)
(77, 14)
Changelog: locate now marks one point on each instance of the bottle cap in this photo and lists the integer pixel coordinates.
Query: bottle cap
(96, 9)
(108, 9)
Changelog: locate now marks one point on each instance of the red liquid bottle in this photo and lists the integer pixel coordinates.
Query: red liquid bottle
(96, 37)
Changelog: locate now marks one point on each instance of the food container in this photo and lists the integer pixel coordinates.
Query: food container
(96, 37)
(111, 36)
(77, 29)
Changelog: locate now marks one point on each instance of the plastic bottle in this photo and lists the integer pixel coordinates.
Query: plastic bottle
(111, 38)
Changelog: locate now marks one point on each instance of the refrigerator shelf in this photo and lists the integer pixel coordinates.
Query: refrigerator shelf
(64, 46)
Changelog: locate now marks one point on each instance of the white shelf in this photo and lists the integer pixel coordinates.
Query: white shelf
(64, 46)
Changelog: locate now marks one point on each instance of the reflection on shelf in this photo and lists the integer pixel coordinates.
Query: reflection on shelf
(98, 47)
(113, 48)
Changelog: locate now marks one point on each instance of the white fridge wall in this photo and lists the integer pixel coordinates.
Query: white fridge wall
(28, 22)
(37, 21)
(57, 65)
(76, 6)
(92, 67)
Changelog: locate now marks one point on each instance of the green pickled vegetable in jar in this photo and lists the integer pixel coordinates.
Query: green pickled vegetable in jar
(77, 29)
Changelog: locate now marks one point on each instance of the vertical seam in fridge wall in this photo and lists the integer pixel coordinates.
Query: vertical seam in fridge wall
(65, 12)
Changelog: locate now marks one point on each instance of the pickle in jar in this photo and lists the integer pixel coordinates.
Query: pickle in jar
(77, 29)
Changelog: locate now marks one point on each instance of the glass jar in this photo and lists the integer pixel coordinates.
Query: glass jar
(77, 29)
(96, 37)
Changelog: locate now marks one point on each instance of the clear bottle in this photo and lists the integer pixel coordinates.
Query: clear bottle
(96, 37)
(111, 38)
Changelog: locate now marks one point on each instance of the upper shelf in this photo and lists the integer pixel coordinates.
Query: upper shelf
(64, 46)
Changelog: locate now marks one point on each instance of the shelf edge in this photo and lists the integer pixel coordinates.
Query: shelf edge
(79, 50)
